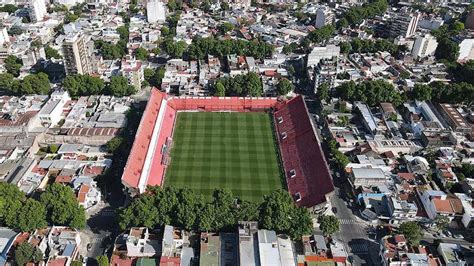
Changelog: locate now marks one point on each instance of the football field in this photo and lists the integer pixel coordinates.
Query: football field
(235, 151)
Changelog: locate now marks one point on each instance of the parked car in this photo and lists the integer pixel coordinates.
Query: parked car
(447, 233)
(458, 236)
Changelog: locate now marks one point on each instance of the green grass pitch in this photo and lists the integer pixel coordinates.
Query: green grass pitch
(235, 151)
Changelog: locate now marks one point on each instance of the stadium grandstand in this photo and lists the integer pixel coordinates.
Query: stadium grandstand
(306, 171)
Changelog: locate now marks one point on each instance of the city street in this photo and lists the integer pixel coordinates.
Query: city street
(354, 234)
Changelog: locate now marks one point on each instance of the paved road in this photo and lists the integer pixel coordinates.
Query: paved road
(354, 234)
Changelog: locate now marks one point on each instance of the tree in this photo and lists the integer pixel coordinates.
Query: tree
(119, 87)
(447, 49)
(25, 252)
(51, 53)
(141, 53)
(345, 47)
(278, 212)
(441, 222)
(102, 261)
(15, 30)
(328, 224)
(323, 92)
(9, 84)
(174, 49)
(412, 232)
(76, 263)
(70, 17)
(35, 84)
(463, 72)
(342, 23)
(284, 87)
(13, 65)
(62, 207)
(226, 27)
(219, 89)
(53, 148)
(9, 8)
(114, 144)
(421, 92)
(83, 85)
(11, 199)
(31, 216)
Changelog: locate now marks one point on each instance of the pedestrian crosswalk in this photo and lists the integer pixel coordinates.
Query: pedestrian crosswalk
(347, 221)
(96, 240)
(359, 248)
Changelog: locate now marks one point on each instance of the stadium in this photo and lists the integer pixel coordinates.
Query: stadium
(250, 146)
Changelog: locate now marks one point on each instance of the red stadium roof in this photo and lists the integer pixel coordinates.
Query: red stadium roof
(307, 173)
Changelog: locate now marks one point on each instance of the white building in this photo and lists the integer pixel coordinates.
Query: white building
(424, 46)
(268, 248)
(324, 16)
(401, 210)
(140, 243)
(155, 11)
(468, 215)
(325, 52)
(68, 3)
(38, 10)
(51, 113)
(368, 177)
(404, 24)
(466, 50)
(4, 36)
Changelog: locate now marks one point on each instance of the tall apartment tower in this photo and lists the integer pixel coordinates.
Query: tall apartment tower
(424, 46)
(77, 58)
(405, 24)
(324, 16)
(155, 11)
(37, 10)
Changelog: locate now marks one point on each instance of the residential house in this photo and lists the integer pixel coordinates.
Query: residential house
(141, 243)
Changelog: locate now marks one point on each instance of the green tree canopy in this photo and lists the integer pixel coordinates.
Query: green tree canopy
(441, 222)
(31, 216)
(323, 92)
(119, 86)
(62, 207)
(422, 92)
(447, 50)
(51, 52)
(13, 65)
(102, 261)
(141, 53)
(35, 84)
(219, 89)
(25, 253)
(226, 27)
(371, 92)
(114, 144)
(9, 8)
(412, 232)
(328, 224)
(242, 85)
(186, 209)
(11, 199)
(83, 85)
(201, 47)
(278, 212)
(284, 87)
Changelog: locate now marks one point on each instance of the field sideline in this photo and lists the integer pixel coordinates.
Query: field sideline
(230, 150)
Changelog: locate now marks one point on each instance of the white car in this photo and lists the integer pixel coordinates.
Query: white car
(458, 236)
